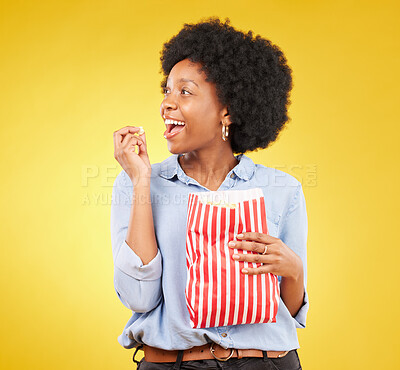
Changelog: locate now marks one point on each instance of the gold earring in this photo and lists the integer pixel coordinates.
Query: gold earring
(225, 132)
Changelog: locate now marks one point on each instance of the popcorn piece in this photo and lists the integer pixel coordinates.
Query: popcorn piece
(141, 131)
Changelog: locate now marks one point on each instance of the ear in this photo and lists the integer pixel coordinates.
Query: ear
(225, 117)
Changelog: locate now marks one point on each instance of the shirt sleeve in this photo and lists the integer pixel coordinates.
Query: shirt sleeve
(138, 286)
(294, 232)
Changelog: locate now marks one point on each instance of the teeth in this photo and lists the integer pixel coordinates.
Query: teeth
(173, 122)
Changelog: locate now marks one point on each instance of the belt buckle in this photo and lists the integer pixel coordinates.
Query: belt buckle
(212, 350)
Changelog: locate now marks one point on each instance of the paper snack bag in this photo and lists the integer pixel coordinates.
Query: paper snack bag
(217, 292)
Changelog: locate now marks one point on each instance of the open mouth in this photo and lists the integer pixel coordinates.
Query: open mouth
(173, 128)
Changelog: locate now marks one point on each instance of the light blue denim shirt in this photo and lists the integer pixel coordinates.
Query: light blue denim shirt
(156, 292)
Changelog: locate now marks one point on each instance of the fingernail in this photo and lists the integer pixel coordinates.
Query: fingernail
(231, 244)
(235, 257)
(245, 271)
(239, 235)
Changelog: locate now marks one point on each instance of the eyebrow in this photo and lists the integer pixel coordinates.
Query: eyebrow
(185, 80)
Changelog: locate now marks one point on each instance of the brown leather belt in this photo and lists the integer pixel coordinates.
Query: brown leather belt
(208, 351)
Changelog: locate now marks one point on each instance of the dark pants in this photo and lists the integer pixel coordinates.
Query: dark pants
(289, 362)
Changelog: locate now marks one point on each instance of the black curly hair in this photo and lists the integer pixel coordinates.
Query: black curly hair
(251, 76)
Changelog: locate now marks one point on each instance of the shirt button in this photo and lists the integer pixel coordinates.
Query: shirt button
(224, 335)
(232, 175)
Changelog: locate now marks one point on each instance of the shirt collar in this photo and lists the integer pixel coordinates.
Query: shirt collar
(244, 169)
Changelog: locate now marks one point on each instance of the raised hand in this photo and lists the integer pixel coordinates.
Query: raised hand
(136, 165)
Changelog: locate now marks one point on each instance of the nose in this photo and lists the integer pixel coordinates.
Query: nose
(168, 103)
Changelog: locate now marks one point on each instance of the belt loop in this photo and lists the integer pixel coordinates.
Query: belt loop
(265, 356)
(178, 362)
(139, 347)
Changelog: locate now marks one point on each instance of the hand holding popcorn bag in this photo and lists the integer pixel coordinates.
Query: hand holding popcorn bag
(217, 292)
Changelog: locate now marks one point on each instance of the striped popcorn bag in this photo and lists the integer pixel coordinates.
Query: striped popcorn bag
(217, 292)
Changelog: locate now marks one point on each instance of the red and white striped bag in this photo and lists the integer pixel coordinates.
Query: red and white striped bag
(217, 292)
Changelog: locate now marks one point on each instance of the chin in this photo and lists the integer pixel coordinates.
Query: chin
(173, 150)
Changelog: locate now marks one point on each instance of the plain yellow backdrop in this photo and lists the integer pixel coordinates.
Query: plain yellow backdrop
(73, 72)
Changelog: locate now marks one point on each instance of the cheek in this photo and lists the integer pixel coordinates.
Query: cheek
(213, 109)
(203, 113)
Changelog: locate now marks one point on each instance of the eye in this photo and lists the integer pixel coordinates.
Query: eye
(164, 90)
(185, 91)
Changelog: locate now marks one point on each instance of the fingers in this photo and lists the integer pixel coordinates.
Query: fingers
(143, 138)
(258, 237)
(264, 269)
(254, 258)
(269, 261)
(126, 138)
(129, 140)
(247, 246)
(272, 262)
(120, 134)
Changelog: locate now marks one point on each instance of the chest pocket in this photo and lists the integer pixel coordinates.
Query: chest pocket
(273, 219)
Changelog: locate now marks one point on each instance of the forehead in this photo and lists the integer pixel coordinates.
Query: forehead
(188, 70)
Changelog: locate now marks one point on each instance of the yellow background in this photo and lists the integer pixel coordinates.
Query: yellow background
(73, 72)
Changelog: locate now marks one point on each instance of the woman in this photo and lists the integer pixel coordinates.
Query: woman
(225, 92)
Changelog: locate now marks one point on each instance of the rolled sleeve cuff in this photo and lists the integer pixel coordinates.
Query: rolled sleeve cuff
(300, 318)
(131, 264)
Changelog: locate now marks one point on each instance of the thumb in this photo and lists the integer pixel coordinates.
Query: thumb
(142, 135)
(143, 149)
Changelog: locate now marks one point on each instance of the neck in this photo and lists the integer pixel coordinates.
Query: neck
(208, 168)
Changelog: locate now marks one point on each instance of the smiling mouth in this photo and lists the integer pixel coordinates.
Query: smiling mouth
(173, 128)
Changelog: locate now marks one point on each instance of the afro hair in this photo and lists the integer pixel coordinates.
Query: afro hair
(250, 74)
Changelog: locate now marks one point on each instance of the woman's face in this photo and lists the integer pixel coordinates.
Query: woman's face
(191, 100)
